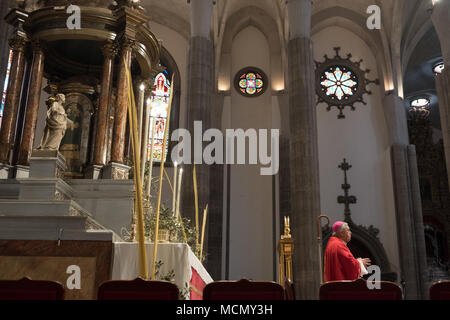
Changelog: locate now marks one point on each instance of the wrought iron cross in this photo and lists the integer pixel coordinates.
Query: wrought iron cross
(346, 200)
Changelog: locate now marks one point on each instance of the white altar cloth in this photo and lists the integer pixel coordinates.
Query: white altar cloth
(175, 256)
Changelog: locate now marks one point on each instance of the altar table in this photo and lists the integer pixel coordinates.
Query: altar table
(175, 256)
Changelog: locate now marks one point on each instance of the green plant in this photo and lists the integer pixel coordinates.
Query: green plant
(175, 227)
(170, 276)
(166, 221)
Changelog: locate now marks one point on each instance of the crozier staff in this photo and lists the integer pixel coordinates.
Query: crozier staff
(339, 262)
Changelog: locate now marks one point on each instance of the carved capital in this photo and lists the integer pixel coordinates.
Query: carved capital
(127, 43)
(18, 44)
(109, 50)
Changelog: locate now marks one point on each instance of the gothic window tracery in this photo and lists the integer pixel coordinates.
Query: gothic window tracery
(250, 82)
(341, 83)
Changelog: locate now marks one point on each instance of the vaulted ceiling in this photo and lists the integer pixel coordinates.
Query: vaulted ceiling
(406, 44)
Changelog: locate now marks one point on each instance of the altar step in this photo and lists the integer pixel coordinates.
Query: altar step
(46, 207)
(49, 220)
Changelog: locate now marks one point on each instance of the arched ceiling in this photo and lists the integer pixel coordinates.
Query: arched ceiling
(419, 78)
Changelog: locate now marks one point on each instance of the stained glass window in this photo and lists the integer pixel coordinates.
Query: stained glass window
(5, 85)
(339, 82)
(250, 82)
(159, 105)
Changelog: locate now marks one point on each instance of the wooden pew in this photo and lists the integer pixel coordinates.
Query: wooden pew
(243, 290)
(27, 289)
(440, 290)
(358, 290)
(138, 289)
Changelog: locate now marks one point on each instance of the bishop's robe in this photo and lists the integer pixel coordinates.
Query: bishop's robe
(339, 262)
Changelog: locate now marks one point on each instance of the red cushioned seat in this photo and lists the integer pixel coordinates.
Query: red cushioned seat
(358, 290)
(440, 290)
(27, 289)
(138, 289)
(243, 290)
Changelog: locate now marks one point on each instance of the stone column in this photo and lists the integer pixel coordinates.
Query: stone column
(109, 53)
(443, 91)
(37, 74)
(116, 169)
(304, 168)
(200, 82)
(410, 231)
(441, 22)
(10, 112)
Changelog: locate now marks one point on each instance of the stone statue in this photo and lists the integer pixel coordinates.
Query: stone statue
(56, 123)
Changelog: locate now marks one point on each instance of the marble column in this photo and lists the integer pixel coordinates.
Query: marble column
(37, 74)
(5, 32)
(410, 230)
(109, 53)
(120, 115)
(10, 112)
(200, 80)
(304, 168)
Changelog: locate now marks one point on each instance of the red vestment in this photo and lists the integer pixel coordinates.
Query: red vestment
(339, 262)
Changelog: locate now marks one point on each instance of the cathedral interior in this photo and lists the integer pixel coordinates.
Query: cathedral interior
(356, 94)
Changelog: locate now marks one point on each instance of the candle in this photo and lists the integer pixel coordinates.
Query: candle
(180, 174)
(144, 149)
(149, 182)
(174, 188)
(140, 114)
(205, 213)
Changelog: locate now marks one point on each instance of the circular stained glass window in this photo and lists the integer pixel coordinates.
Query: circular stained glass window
(339, 83)
(251, 82)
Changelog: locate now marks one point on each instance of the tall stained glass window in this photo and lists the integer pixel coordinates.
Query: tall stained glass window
(5, 85)
(159, 105)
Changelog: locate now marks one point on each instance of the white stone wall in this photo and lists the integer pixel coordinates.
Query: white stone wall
(361, 138)
(251, 205)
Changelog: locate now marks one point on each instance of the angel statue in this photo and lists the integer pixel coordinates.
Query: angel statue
(56, 123)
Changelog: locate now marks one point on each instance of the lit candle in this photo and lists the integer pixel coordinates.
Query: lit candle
(180, 174)
(174, 190)
(149, 182)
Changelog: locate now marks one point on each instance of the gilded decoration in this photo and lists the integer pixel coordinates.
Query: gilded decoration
(75, 63)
